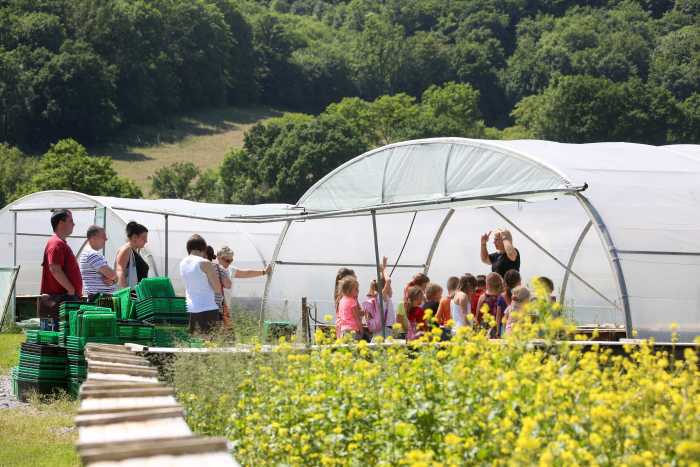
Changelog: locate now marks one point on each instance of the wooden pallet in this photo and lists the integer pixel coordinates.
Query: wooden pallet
(128, 418)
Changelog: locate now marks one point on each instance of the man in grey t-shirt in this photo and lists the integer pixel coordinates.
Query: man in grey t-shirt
(98, 277)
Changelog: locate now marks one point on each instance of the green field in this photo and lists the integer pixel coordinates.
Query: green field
(9, 351)
(41, 434)
(203, 137)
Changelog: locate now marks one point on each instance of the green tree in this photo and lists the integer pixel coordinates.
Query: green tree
(579, 109)
(688, 131)
(283, 158)
(67, 166)
(612, 43)
(75, 94)
(378, 55)
(15, 171)
(676, 62)
(451, 110)
(393, 117)
(184, 180)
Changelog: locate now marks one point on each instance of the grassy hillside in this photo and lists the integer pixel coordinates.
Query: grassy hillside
(202, 137)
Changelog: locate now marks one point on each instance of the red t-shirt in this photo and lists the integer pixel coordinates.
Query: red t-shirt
(58, 252)
(416, 316)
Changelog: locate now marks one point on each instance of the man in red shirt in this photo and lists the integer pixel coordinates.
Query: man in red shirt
(60, 275)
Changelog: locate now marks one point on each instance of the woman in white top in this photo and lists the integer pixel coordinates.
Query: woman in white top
(201, 284)
(461, 307)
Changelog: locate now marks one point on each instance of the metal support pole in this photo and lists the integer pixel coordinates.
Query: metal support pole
(570, 264)
(613, 257)
(268, 280)
(555, 259)
(436, 240)
(14, 238)
(167, 252)
(379, 273)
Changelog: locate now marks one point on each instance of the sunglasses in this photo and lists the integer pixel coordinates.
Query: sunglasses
(227, 260)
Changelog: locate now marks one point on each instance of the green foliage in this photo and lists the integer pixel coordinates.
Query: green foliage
(83, 69)
(676, 62)
(451, 110)
(611, 43)
(184, 180)
(283, 157)
(15, 171)
(67, 166)
(469, 401)
(581, 109)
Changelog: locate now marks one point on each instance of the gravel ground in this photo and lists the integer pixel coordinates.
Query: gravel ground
(7, 400)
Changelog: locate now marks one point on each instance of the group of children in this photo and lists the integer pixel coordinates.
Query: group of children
(489, 302)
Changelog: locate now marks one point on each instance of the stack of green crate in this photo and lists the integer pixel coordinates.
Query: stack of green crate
(135, 332)
(171, 310)
(155, 287)
(98, 326)
(42, 368)
(85, 322)
(64, 310)
(77, 366)
(157, 302)
(34, 336)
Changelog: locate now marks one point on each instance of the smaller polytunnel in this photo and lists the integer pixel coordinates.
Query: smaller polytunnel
(253, 243)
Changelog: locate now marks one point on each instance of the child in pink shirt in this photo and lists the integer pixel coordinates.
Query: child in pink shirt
(349, 313)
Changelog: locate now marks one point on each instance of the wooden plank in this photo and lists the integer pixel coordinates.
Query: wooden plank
(107, 348)
(97, 384)
(121, 402)
(108, 363)
(117, 358)
(134, 347)
(130, 370)
(219, 459)
(140, 430)
(163, 446)
(131, 392)
(127, 418)
(121, 377)
(117, 410)
(132, 415)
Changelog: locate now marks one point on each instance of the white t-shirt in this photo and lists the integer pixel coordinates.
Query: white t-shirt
(198, 291)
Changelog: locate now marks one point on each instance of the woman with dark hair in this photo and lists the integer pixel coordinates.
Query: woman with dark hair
(130, 266)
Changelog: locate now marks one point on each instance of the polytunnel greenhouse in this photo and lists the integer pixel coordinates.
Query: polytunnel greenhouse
(616, 226)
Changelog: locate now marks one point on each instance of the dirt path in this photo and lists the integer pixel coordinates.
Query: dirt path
(7, 400)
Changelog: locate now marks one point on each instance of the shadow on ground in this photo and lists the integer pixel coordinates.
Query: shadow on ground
(177, 128)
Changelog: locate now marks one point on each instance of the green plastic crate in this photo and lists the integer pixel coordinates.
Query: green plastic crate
(43, 337)
(98, 325)
(155, 287)
(123, 297)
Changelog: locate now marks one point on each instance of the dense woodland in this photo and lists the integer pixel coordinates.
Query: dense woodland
(353, 74)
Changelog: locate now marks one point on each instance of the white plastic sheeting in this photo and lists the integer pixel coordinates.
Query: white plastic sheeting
(638, 263)
(641, 258)
(253, 244)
